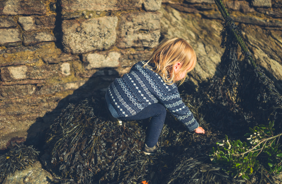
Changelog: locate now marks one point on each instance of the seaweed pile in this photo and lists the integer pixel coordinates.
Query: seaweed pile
(18, 157)
(87, 149)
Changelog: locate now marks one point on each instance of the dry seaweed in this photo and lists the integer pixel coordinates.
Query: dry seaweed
(16, 158)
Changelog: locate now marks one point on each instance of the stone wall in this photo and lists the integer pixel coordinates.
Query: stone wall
(56, 52)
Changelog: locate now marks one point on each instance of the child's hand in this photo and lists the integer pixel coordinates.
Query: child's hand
(199, 130)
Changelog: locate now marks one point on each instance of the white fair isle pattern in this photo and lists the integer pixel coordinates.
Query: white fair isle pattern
(174, 104)
(128, 94)
(144, 87)
(123, 102)
(185, 116)
(153, 85)
(190, 122)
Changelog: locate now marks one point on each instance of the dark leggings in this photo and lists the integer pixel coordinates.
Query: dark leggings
(158, 113)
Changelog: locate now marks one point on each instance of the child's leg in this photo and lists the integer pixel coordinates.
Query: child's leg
(158, 113)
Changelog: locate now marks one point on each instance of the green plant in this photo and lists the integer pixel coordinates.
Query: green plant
(241, 159)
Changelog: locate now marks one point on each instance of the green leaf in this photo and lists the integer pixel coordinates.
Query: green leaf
(245, 177)
(269, 154)
(279, 169)
(270, 164)
(279, 155)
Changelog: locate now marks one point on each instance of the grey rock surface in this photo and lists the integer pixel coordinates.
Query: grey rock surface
(23, 7)
(200, 1)
(30, 38)
(33, 174)
(139, 30)
(9, 36)
(81, 36)
(7, 22)
(101, 60)
(99, 5)
(262, 3)
(152, 5)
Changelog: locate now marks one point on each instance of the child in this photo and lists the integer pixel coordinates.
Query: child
(149, 89)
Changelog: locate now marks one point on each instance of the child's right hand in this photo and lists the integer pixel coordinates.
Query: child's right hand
(199, 130)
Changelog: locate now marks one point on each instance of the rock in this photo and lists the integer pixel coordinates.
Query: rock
(33, 174)
(16, 7)
(30, 38)
(202, 34)
(94, 34)
(184, 8)
(101, 61)
(18, 72)
(200, 1)
(261, 3)
(152, 5)
(65, 69)
(99, 5)
(7, 22)
(139, 30)
(34, 22)
(27, 23)
(239, 6)
(9, 36)
(61, 58)
(16, 91)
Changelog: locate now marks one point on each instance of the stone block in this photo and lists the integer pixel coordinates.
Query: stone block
(35, 22)
(200, 1)
(101, 60)
(152, 5)
(18, 72)
(16, 91)
(81, 36)
(23, 7)
(139, 30)
(14, 73)
(61, 58)
(9, 36)
(262, 3)
(30, 38)
(99, 5)
(27, 23)
(65, 69)
(129, 59)
(7, 22)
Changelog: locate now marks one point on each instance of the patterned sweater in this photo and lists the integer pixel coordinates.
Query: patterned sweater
(142, 87)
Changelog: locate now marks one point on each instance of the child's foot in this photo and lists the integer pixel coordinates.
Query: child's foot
(150, 150)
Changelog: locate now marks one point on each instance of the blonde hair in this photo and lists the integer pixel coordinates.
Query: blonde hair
(170, 52)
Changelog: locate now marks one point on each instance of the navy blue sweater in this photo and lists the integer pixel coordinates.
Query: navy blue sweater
(142, 87)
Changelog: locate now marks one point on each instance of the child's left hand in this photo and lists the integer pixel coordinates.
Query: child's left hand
(199, 130)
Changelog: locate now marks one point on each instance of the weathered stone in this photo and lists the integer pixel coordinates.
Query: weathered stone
(7, 22)
(200, 1)
(23, 7)
(99, 5)
(184, 8)
(239, 6)
(139, 30)
(32, 174)
(30, 38)
(65, 69)
(16, 91)
(27, 23)
(9, 36)
(101, 60)
(129, 59)
(152, 5)
(262, 3)
(257, 21)
(18, 72)
(88, 35)
(61, 58)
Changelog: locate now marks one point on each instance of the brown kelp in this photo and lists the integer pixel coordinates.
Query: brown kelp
(87, 149)
(16, 158)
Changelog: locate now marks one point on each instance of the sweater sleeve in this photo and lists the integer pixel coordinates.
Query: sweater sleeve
(173, 102)
(168, 95)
